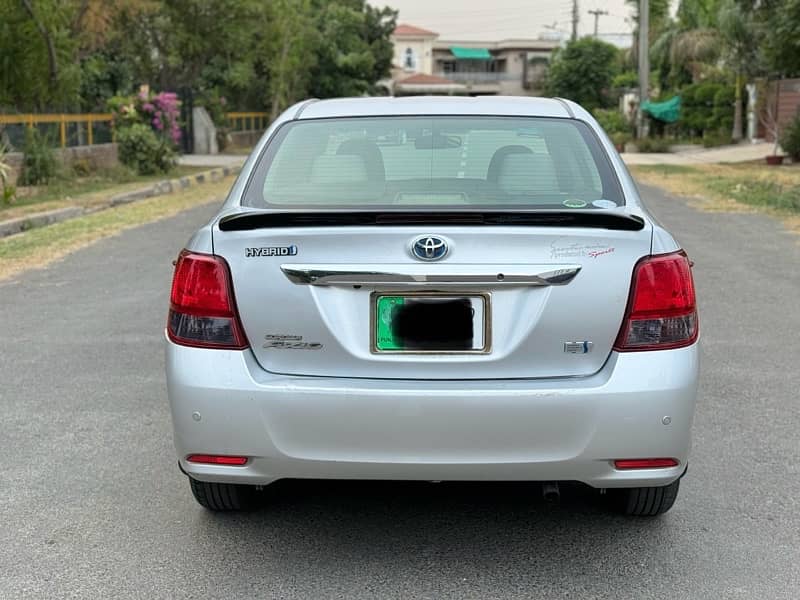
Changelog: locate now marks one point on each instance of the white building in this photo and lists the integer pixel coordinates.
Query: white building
(424, 64)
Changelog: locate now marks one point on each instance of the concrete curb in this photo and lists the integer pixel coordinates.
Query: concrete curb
(160, 188)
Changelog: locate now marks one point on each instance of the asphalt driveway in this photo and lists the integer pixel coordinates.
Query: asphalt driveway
(93, 506)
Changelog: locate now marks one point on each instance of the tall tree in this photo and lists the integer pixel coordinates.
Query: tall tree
(740, 51)
(583, 71)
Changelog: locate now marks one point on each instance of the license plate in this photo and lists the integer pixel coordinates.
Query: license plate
(430, 323)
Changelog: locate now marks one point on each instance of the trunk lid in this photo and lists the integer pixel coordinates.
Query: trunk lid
(557, 294)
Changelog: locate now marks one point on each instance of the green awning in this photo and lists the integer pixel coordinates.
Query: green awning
(668, 112)
(471, 53)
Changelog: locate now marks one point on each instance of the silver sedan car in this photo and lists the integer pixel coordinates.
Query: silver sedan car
(434, 289)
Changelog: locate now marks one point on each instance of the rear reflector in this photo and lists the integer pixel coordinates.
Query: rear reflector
(202, 307)
(645, 463)
(213, 459)
(662, 311)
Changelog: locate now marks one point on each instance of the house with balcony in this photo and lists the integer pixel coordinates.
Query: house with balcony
(424, 64)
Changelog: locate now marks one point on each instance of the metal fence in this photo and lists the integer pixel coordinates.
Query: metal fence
(62, 129)
(65, 130)
(248, 121)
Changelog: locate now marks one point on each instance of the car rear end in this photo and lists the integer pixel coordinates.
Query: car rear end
(433, 297)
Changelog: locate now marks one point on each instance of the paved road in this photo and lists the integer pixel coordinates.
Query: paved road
(92, 505)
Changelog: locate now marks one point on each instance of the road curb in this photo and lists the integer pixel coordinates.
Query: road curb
(160, 188)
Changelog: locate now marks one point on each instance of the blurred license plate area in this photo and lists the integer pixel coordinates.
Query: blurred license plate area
(430, 323)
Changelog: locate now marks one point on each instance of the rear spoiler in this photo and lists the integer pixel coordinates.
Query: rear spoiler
(601, 219)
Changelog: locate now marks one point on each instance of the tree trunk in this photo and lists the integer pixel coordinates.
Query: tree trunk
(278, 95)
(48, 40)
(737, 110)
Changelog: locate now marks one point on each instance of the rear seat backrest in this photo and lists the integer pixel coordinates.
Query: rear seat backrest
(338, 169)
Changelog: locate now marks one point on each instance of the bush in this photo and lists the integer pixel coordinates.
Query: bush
(706, 108)
(712, 140)
(653, 144)
(7, 189)
(38, 161)
(620, 138)
(161, 112)
(625, 80)
(611, 120)
(722, 116)
(790, 138)
(142, 150)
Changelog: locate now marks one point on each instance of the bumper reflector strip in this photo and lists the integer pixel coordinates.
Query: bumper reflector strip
(213, 459)
(645, 463)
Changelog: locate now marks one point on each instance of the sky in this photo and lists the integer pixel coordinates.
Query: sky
(498, 19)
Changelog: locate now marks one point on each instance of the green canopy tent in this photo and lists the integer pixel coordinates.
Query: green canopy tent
(668, 111)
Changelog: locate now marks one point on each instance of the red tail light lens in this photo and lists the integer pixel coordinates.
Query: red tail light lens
(662, 311)
(215, 459)
(202, 310)
(645, 463)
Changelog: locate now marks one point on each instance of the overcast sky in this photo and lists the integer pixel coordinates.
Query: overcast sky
(498, 19)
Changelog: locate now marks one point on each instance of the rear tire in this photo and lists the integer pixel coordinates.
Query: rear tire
(223, 496)
(648, 501)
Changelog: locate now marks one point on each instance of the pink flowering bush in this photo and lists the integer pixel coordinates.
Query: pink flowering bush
(159, 111)
(148, 130)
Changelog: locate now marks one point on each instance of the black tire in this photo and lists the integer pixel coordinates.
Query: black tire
(648, 501)
(223, 496)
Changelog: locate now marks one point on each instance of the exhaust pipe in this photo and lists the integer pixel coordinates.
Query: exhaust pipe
(550, 491)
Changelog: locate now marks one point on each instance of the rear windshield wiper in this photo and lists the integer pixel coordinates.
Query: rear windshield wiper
(594, 218)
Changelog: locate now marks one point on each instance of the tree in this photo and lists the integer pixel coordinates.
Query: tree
(583, 72)
(740, 51)
(778, 23)
(37, 55)
(292, 47)
(75, 54)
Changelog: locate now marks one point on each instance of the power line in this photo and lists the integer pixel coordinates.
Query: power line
(597, 12)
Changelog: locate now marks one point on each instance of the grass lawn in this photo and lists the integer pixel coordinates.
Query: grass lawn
(741, 187)
(84, 191)
(39, 247)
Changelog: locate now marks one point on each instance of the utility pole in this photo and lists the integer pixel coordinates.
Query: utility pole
(575, 18)
(597, 12)
(644, 64)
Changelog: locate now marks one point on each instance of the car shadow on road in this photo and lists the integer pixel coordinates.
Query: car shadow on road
(454, 528)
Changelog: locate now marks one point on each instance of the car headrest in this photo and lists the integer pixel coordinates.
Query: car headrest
(532, 173)
(499, 156)
(371, 155)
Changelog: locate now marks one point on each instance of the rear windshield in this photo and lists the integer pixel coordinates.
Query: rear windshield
(430, 162)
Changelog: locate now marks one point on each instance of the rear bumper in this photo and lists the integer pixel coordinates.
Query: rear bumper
(222, 402)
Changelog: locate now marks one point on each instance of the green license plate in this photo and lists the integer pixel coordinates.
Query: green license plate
(430, 323)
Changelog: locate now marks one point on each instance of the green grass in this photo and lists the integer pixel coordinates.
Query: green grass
(666, 169)
(731, 187)
(43, 245)
(772, 194)
(67, 186)
(751, 184)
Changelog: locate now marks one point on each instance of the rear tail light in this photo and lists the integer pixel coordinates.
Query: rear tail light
(215, 459)
(645, 463)
(202, 310)
(662, 312)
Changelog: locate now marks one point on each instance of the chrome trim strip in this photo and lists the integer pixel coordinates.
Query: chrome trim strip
(483, 275)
